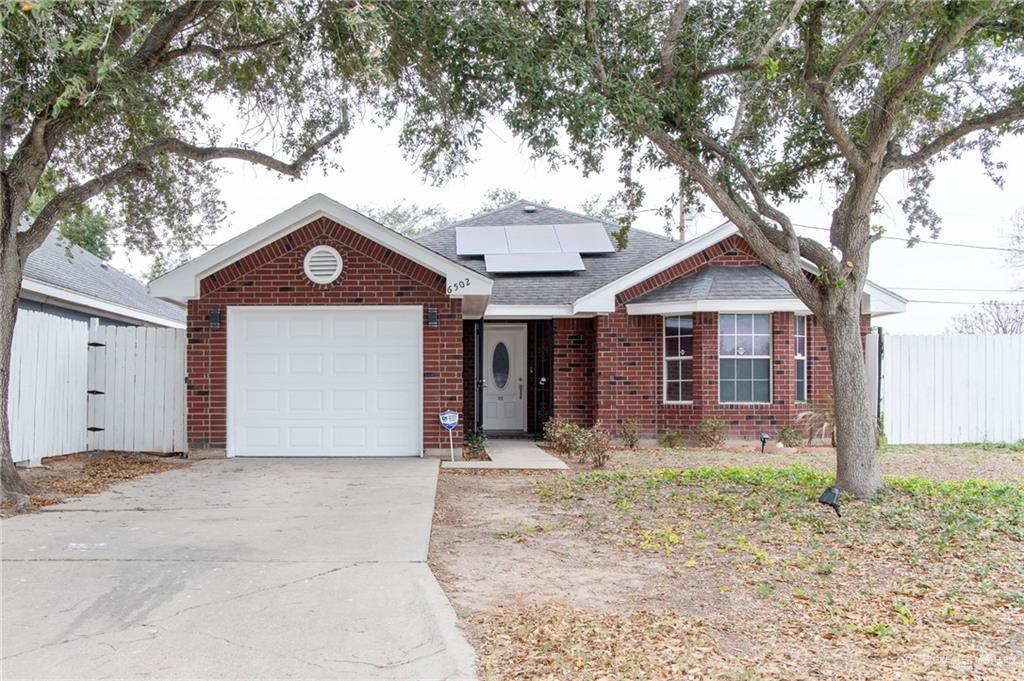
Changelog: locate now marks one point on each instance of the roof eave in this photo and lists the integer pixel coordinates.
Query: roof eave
(73, 300)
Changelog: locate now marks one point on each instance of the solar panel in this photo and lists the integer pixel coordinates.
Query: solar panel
(532, 239)
(480, 240)
(533, 262)
(584, 237)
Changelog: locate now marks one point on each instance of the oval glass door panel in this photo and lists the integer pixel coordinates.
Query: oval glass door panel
(499, 365)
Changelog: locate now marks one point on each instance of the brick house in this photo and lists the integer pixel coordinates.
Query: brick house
(323, 333)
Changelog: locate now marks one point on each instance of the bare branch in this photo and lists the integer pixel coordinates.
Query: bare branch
(1010, 114)
(138, 167)
(818, 93)
(884, 116)
(856, 40)
(670, 44)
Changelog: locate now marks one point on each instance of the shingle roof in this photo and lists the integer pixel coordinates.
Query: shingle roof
(69, 267)
(721, 283)
(548, 288)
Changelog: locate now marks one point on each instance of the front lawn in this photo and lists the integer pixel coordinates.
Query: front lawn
(729, 572)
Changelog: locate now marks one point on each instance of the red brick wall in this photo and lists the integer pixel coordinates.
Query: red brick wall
(629, 353)
(273, 275)
(573, 369)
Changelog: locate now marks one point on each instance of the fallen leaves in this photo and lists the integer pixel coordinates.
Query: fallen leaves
(74, 475)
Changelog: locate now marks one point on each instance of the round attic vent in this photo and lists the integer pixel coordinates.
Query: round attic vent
(322, 264)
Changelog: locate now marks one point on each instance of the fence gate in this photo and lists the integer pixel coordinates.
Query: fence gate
(136, 395)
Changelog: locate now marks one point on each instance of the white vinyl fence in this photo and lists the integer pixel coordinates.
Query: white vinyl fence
(76, 387)
(952, 389)
(46, 398)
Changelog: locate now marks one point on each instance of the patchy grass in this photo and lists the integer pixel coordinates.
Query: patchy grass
(74, 475)
(739, 571)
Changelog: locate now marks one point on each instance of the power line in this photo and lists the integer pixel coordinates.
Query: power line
(958, 302)
(966, 290)
(932, 242)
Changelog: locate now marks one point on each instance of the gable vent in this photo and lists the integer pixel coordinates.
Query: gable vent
(322, 264)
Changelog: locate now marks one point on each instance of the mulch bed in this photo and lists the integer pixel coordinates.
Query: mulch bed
(74, 475)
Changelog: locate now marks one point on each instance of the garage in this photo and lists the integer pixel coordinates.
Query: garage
(324, 381)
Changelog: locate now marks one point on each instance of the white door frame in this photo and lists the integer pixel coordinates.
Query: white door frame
(231, 369)
(521, 375)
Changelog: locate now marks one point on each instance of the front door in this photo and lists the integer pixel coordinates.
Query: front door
(504, 370)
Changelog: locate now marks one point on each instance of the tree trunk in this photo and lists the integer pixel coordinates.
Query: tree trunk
(10, 287)
(857, 470)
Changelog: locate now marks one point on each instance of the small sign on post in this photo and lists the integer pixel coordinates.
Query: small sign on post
(450, 419)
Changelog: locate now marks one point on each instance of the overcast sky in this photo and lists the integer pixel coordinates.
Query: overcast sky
(973, 210)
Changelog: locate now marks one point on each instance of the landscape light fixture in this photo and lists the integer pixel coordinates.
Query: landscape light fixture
(764, 440)
(830, 497)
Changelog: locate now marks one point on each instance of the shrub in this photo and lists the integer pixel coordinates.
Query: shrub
(582, 444)
(630, 433)
(476, 444)
(820, 420)
(711, 433)
(789, 437)
(595, 446)
(566, 438)
(670, 439)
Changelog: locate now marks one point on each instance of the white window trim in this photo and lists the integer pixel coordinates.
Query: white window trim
(769, 357)
(665, 360)
(797, 356)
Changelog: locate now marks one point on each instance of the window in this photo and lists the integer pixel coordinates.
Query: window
(678, 359)
(745, 358)
(800, 345)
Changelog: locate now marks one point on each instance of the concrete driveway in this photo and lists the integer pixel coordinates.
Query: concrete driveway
(234, 569)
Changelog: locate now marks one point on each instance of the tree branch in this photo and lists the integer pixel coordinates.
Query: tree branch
(856, 40)
(1010, 114)
(138, 167)
(670, 43)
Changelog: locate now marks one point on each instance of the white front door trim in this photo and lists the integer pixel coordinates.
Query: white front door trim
(232, 341)
(514, 393)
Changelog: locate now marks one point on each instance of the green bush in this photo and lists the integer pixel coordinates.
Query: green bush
(670, 439)
(789, 437)
(711, 433)
(476, 444)
(630, 433)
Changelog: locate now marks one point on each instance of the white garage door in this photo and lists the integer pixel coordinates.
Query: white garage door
(324, 381)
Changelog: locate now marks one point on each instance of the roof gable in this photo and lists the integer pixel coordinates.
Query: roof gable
(183, 282)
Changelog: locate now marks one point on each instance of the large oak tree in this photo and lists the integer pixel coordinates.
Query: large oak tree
(753, 103)
(117, 106)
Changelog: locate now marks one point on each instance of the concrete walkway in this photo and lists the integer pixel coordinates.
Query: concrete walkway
(513, 455)
(303, 568)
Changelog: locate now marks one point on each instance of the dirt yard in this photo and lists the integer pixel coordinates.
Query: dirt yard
(715, 569)
(73, 475)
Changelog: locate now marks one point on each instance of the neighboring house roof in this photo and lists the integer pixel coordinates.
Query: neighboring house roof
(183, 283)
(722, 283)
(550, 288)
(68, 276)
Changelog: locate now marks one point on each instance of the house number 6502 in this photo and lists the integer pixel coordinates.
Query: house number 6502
(459, 285)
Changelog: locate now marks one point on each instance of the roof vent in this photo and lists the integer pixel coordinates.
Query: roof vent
(322, 264)
(529, 208)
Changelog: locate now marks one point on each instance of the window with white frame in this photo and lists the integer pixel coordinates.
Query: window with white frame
(678, 359)
(745, 358)
(800, 345)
